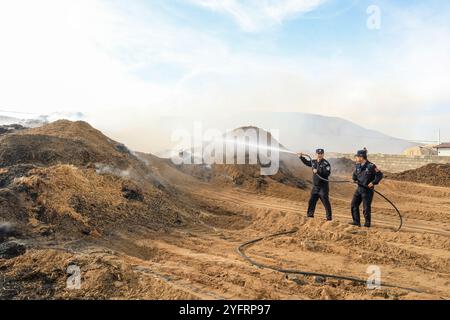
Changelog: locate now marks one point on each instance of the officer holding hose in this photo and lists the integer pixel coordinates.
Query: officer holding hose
(321, 188)
(367, 176)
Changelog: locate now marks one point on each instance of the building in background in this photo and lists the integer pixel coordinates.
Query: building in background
(443, 149)
(428, 150)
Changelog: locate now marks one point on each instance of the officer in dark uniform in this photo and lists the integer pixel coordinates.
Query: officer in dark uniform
(321, 189)
(367, 176)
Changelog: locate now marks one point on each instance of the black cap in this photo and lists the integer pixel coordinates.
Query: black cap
(361, 153)
(320, 151)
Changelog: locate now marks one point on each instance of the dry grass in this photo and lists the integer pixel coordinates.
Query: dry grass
(57, 185)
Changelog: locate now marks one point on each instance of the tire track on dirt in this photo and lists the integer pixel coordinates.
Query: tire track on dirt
(411, 224)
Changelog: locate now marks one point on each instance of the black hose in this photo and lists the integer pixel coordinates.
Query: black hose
(241, 252)
(377, 192)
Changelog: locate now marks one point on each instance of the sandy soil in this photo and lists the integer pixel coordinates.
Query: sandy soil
(201, 262)
(417, 257)
(187, 248)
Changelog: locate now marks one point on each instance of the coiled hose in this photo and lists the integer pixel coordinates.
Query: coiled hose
(242, 247)
(241, 252)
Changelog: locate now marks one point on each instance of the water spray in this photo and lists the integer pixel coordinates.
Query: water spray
(260, 146)
(282, 149)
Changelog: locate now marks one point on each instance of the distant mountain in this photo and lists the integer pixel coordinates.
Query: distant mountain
(307, 132)
(297, 132)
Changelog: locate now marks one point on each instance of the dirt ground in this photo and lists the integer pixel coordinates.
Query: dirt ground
(200, 261)
(188, 249)
(418, 257)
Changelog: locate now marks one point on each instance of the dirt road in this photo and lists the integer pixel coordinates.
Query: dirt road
(203, 261)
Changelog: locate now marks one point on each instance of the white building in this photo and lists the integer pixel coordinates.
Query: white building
(443, 149)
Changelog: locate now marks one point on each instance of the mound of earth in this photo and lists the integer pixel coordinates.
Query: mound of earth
(242, 175)
(432, 174)
(72, 143)
(66, 184)
(65, 142)
(248, 175)
(68, 180)
(72, 201)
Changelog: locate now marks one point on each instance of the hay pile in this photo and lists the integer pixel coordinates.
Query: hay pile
(66, 142)
(67, 179)
(432, 174)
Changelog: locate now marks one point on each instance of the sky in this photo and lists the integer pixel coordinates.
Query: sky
(128, 64)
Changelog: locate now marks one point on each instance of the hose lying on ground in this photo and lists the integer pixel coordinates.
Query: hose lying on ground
(242, 247)
(377, 192)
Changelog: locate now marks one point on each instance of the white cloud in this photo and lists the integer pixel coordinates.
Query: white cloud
(87, 55)
(92, 56)
(51, 58)
(255, 15)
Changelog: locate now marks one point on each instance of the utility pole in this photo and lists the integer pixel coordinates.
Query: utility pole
(439, 140)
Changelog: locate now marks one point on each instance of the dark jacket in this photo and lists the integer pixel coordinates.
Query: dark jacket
(367, 173)
(323, 169)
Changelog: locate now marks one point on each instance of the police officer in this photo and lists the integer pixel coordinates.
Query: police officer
(321, 189)
(367, 176)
